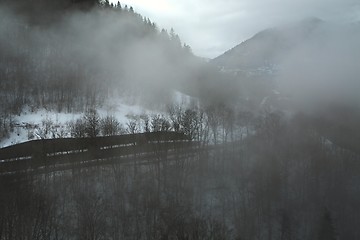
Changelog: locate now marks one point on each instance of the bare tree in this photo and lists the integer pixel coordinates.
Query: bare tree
(175, 113)
(92, 123)
(77, 128)
(214, 120)
(146, 122)
(110, 126)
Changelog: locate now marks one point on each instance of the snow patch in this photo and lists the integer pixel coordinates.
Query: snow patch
(44, 123)
(31, 125)
(184, 99)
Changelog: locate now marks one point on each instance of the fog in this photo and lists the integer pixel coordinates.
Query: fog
(113, 50)
(269, 149)
(323, 69)
(212, 28)
(118, 55)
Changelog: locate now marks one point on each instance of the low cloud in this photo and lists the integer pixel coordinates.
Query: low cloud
(204, 24)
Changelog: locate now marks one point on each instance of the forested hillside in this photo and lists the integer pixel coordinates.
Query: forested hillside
(261, 143)
(83, 55)
(298, 66)
(72, 56)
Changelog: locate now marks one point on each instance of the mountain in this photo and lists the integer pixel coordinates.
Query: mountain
(310, 67)
(311, 61)
(265, 50)
(82, 57)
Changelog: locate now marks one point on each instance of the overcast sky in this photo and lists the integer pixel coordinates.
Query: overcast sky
(211, 27)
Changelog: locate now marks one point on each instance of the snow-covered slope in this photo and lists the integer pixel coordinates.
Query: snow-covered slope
(42, 123)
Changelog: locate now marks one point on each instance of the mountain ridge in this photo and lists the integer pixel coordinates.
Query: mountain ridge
(267, 47)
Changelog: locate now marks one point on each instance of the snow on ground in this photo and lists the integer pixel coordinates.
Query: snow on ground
(15, 137)
(32, 125)
(42, 114)
(183, 99)
(121, 111)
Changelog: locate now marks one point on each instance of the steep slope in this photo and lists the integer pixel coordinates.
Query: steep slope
(265, 50)
(310, 67)
(311, 61)
(84, 56)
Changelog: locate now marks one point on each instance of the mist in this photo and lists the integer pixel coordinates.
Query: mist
(116, 53)
(323, 70)
(99, 145)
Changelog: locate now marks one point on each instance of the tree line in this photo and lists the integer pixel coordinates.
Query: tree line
(284, 180)
(65, 67)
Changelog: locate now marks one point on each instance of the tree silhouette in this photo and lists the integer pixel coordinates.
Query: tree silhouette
(118, 5)
(92, 123)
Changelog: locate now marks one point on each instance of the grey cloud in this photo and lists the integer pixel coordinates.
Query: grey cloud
(205, 24)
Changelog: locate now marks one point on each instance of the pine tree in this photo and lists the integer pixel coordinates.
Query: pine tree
(118, 5)
(175, 38)
(187, 48)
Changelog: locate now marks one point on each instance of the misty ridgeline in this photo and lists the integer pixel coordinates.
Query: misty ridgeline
(268, 147)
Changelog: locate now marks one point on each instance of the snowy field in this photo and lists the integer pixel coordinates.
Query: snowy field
(33, 125)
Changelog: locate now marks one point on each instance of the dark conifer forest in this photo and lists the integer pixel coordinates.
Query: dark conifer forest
(240, 160)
